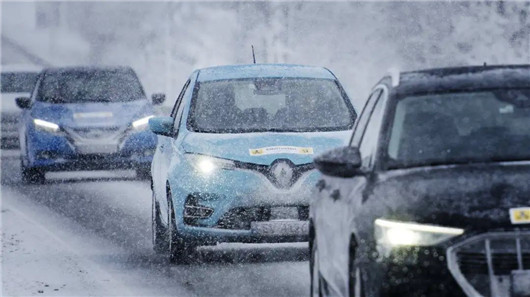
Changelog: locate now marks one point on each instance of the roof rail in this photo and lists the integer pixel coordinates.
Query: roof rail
(394, 75)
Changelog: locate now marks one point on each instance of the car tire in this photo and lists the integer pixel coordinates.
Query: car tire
(31, 175)
(158, 230)
(354, 273)
(316, 280)
(143, 173)
(179, 251)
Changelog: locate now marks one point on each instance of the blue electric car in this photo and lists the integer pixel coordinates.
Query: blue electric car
(234, 159)
(86, 118)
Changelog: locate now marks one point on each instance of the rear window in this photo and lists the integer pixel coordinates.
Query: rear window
(18, 82)
(90, 86)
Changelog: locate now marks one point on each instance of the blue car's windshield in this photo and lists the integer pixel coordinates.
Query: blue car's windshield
(278, 105)
(462, 127)
(90, 86)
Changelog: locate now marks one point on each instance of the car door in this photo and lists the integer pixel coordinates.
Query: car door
(340, 196)
(164, 153)
(26, 120)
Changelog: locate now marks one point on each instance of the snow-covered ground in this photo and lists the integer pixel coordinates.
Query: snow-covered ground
(80, 236)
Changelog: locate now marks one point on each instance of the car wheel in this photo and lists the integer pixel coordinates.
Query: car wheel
(158, 231)
(31, 175)
(178, 249)
(355, 278)
(316, 280)
(143, 173)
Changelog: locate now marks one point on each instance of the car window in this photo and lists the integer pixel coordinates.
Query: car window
(276, 104)
(182, 105)
(18, 82)
(370, 138)
(460, 127)
(365, 115)
(90, 86)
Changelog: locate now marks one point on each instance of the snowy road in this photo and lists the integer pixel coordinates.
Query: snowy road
(82, 236)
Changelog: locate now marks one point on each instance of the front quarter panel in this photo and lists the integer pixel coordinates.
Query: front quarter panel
(333, 211)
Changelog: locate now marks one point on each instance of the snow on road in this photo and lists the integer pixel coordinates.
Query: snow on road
(80, 236)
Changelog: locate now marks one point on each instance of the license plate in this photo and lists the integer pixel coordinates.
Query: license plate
(281, 228)
(521, 283)
(97, 148)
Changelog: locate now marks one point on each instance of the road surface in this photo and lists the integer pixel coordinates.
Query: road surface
(80, 235)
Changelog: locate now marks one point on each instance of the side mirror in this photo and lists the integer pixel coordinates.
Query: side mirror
(340, 162)
(158, 98)
(161, 125)
(23, 102)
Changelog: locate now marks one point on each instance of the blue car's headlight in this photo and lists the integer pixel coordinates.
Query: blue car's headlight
(206, 164)
(46, 126)
(141, 124)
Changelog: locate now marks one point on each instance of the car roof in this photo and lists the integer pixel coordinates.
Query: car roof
(87, 69)
(464, 78)
(21, 68)
(263, 71)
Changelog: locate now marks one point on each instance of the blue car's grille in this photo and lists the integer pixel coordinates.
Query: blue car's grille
(91, 133)
(282, 173)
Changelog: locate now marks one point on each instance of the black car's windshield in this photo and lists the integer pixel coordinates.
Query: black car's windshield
(462, 127)
(90, 86)
(279, 105)
(18, 82)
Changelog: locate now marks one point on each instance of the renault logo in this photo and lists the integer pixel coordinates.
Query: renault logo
(282, 173)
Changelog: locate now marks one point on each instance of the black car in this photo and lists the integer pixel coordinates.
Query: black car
(432, 196)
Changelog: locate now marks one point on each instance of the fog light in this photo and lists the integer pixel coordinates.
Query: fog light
(197, 212)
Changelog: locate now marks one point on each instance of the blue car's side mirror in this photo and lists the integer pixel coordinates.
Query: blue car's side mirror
(162, 126)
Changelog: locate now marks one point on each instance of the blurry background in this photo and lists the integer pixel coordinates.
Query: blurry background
(359, 41)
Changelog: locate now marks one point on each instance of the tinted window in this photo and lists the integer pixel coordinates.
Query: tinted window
(461, 127)
(365, 116)
(288, 104)
(18, 82)
(90, 86)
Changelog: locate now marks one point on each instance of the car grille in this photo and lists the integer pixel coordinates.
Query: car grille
(242, 217)
(483, 265)
(282, 173)
(94, 133)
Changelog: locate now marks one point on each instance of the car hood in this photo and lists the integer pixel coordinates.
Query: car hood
(238, 146)
(92, 114)
(466, 196)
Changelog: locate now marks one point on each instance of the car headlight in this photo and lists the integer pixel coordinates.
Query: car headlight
(393, 233)
(206, 164)
(141, 124)
(46, 126)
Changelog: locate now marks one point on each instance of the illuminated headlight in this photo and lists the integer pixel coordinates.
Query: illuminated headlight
(45, 126)
(206, 165)
(394, 234)
(141, 124)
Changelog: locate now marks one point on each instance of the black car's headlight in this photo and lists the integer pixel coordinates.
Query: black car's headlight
(141, 124)
(395, 234)
(46, 126)
(206, 164)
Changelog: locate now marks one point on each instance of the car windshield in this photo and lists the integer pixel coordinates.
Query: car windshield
(90, 86)
(18, 82)
(276, 105)
(463, 127)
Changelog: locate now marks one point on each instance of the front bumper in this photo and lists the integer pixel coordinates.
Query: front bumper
(54, 152)
(489, 264)
(231, 202)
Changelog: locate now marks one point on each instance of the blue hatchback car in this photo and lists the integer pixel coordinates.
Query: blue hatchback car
(86, 118)
(234, 159)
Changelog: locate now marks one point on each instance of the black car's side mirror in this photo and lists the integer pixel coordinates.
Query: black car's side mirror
(340, 162)
(158, 98)
(23, 102)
